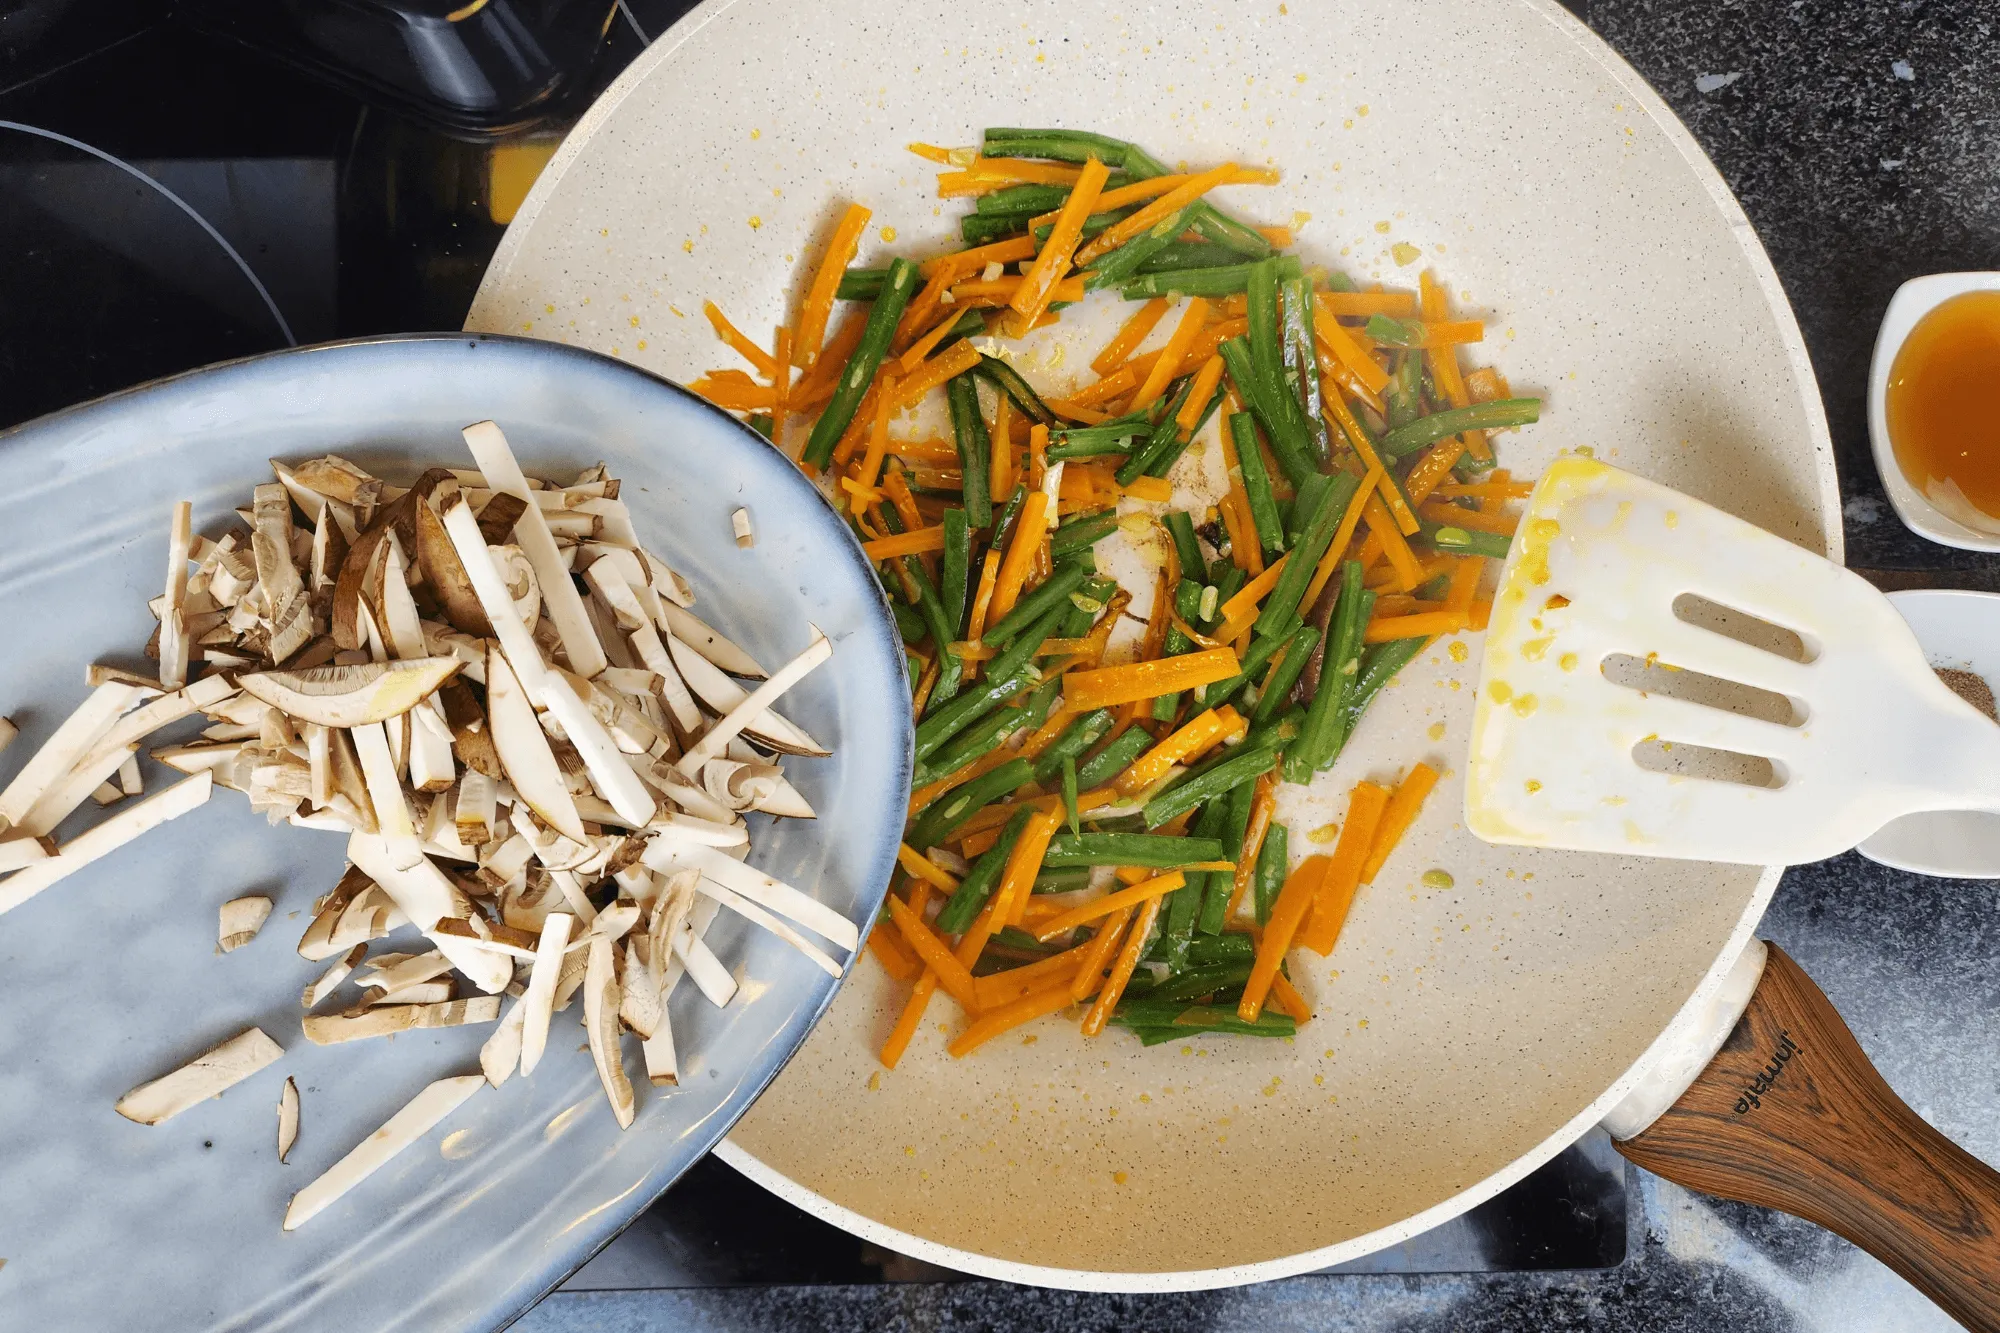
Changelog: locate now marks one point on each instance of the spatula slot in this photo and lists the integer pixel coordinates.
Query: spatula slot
(1694, 609)
(1649, 675)
(1699, 761)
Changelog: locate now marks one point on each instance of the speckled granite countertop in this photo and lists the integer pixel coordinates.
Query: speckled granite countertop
(1864, 142)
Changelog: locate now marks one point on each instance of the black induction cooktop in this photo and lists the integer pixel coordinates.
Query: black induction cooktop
(293, 212)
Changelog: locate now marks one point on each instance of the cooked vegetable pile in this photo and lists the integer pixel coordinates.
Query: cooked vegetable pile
(541, 757)
(1093, 811)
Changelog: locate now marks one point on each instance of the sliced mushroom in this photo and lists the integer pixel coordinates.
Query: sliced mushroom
(337, 479)
(498, 937)
(241, 919)
(758, 702)
(389, 598)
(129, 823)
(80, 731)
(395, 829)
(350, 696)
(713, 646)
(210, 1074)
(498, 516)
(446, 575)
(329, 550)
(524, 750)
(738, 784)
(416, 1119)
(639, 1003)
(288, 1119)
(173, 620)
(425, 895)
(540, 999)
(416, 993)
(524, 588)
(722, 694)
(351, 787)
(739, 523)
(501, 1052)
(600, 1018)
(471, 738)
(332, 1029)
(19, 851)
(329, 981)
(430, 756)
(475, 811)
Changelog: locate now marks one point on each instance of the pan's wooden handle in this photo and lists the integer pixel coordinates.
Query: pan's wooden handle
(1790, 1114)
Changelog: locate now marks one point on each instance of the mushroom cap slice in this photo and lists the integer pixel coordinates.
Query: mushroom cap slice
(438, 560)
(288, 1118)
(353, 695)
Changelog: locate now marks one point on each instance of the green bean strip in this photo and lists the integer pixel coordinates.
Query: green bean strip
(1460, 541)
(1340, 667)
(1256, 483)
(1212, 779)
(1069, 790)
(860, 370)
(1284, 673)
(1218, 227)
(1252, 661)
(1028, 641)
(908, 623)
(1198, 981)
(1180, 526)
(1161, 436)
(1302, 363)
(1024, 200)
(1227, 584)
(1155, 851)
(1113, 759)
(1404, 396)
(1067, 880)
(1395, 332)
(1236, 825)
(1079, 736)
(1090, 447)
(1281, 609)
(861, 284)
(938, 820)
(1290, 452)
(1225, 281)
(1177, 919)
(1084, 605)
(1008, 381)
(1304, 504)
(1072, 146)
(1273, 864)
(1066, 579)
(950, 669)
(1081, 536)
(974, 449)
(946, 723)
(1179, 254)
(1496, 415)
(1187, 605)
(971, 745)
(1003, 526)
(980, 881)
(954, 567)
(1378, 667)
(1117, 268)
(1156, 1028)
(1158, 460)
(1222, 950)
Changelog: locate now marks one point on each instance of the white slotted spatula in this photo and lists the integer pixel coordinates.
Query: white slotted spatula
(1588, 733)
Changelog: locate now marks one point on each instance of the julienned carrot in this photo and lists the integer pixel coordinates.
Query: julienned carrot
(1129, 336)
(1109, 903)
(1125, 378)
(1153, 490)
(1169, 359)
(1053, 262)
(1294, 901)
(1457, 516)
(953, 361)
(741, 394)
(1486, 385)
(986, 174)
(1424, 479)
(1339, 414)
(929, 152)
(1396, 305)
(1023, 864)
(1158, 211)
(893, 955)
(1401, 558)
(999, 988)
(917, 541)
(1205, 381)
(745, 348)
(1286, 998)
(818, 306)
(1336, 550)
(1121, 971)
(1485, 490)
(1421, 625)
(815, 388)
(1464, 586)
(1000, 456)
(1195, 736)
(1029, 529)
(922, 867)
(982, 597)
(907, 1021)
(1436, 306)
(1084, 690)
(914, 355)
(951, 974)
(1008, 1016)
(1348, 352)
(1090, 974)
(1244, 602)
(1155, 186)
(781, 386)
(1263, 803)
(1396, 820)
(1344, 873)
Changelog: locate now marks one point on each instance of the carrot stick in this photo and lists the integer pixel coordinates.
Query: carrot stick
(1486, 384)
(1121, 971)
(1023, 864)
(1457, 516)
(1419, 626)
(1423, 480)
(1084, 690)
(1158, 211)
(1396, 305)
(1195, 736)
(906, 1023)
(1443, 361)
(1153, 490)
(1053, 262)
(1343, 874)
(744, 395)
(1169, 359)
(998, 988)
(917, 541)
(1486, 490)
(1009, 1016)
(922, 347)
(982, 598)
(1287, 998)
(929, 152)
(1294, 900)
(1000, 466)
(1401, 558)
(960, 262)
(1244, 602)
(1130, 334)
(1203, 389)
(1263, 803)
(1396, 820)
(951, 974)
(748, 350)
(1340, 342)
(990, 173)
(818, 305)
(923, 868)
(814, 389)
(870, 466)
(894, 957)
(1029, 528)
(1337, 550)
(1464, 584)
(1109, 903)
(952, 361)
(1090, 973)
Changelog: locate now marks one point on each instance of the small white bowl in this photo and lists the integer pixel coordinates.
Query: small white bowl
(1962, 526)
(1959, 630)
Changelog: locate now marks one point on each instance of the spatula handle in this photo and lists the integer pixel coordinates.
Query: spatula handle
(1791, 1115)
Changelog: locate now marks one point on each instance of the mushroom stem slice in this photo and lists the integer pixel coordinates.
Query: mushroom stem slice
(105, 838)
(743, 907)
(241, 919)
(353, 695)
(475, 812)
(425, 896)
(329, 980)
(288, 1119)
(524, 749)
(385, 794)
(516, 639)
(332, 1029)
(402, 1129)
(73, 739)
(683, 624)
(21, 850)
(442, 569)
(431, 766)
(501, 1052)
(759, 888)
(612, 776)
(209, 1074)
(600, 1018)
(173, 622)
(721, 693)
(540, 999)
(396, 610)
(717, 737)
(662, 1065)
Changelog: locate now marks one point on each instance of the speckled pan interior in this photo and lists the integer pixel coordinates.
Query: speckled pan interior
(1462, 1036)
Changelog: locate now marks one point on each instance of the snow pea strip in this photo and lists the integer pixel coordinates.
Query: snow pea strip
(974, 449)
(1162, 436)
(980, 881)
(1199, 981)
(1154, 851)
(1218, 776)
(1257, 483)
(1460, 541)
(950, 669)
(1071, 146)
(1114, 758)
(1180, 526)
(946, 723)
(1326, 718)
(1280, 615)
(974, 743)
(861, 284)
(860, 370)
(1222, 950)
(938, 820)
(1290, 449)
(1224, 281)
(1302, 363)
(1080, 735)
(1008, 381)
(1235, 824)
(954, 567)
(1303, 505)
(1404, 396)
(1496, 415)
(1379, 666)
(1178, 254)
(1003, 527)
(1066, 579)
(1217, 226)
(1278, 682)
(1084, 605)
(1274, 862)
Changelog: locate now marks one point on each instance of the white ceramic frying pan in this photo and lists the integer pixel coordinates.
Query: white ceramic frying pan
(1462, 1036)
